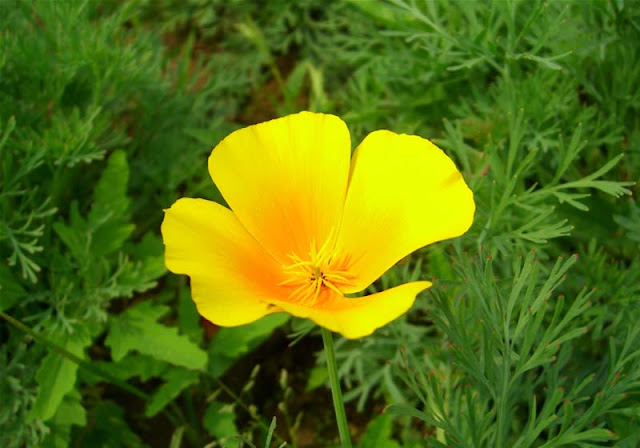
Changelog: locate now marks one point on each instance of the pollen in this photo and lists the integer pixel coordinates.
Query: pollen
(318, 271)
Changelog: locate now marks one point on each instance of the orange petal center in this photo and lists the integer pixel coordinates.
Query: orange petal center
(318, 271)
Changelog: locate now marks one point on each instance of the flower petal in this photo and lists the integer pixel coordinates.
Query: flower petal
(358, 317)
(286, 180)
(404, 193)
(231, 275)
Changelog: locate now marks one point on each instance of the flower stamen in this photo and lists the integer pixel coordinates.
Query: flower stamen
(320, 271)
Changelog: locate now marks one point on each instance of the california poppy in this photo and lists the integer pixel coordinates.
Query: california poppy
(309, 224)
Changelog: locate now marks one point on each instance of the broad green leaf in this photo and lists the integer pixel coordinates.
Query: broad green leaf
(219, 420)
(56, 376)
(109, 238)
(59, 437)
(109, 218)
(378, 434)
(150, 253)
(70, 412)
(231, 343)
(177, 381)
(188, 317)
(137, 329)
(107, 226)
(110, 193)
(150, 246)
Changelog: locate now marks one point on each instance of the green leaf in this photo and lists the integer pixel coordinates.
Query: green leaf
(177, 381)
(59, 437)
(188, 317)
(378, 434)
(590, 435)
(439, 265)
(132, 365)
(110, 193)
(547, 62)
(107, 226)
(70, 412)
(176, 437)
(231, 343)
(137, 329)
(56, 376)
(75, 235)
(406, 410)
(219, 420)
(319, 376)
(109, 213)
(109, 238)
(150, 256)
(108, 428)
(150, 246)
(377, 11)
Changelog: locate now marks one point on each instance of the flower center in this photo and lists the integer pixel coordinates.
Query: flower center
(314, 274)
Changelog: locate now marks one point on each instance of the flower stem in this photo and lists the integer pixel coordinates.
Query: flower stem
(338, 402)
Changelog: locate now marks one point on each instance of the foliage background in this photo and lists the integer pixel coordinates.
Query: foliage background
(530, 336)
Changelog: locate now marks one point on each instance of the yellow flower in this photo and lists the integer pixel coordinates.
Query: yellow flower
(308, 225)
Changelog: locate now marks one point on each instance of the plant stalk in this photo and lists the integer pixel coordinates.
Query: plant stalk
(338, 402)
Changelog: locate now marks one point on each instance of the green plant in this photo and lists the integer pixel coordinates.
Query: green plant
(529, 336)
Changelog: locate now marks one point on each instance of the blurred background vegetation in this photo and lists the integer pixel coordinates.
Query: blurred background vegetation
(530, 336)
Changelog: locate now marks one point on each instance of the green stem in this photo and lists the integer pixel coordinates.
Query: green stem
(338, 402)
